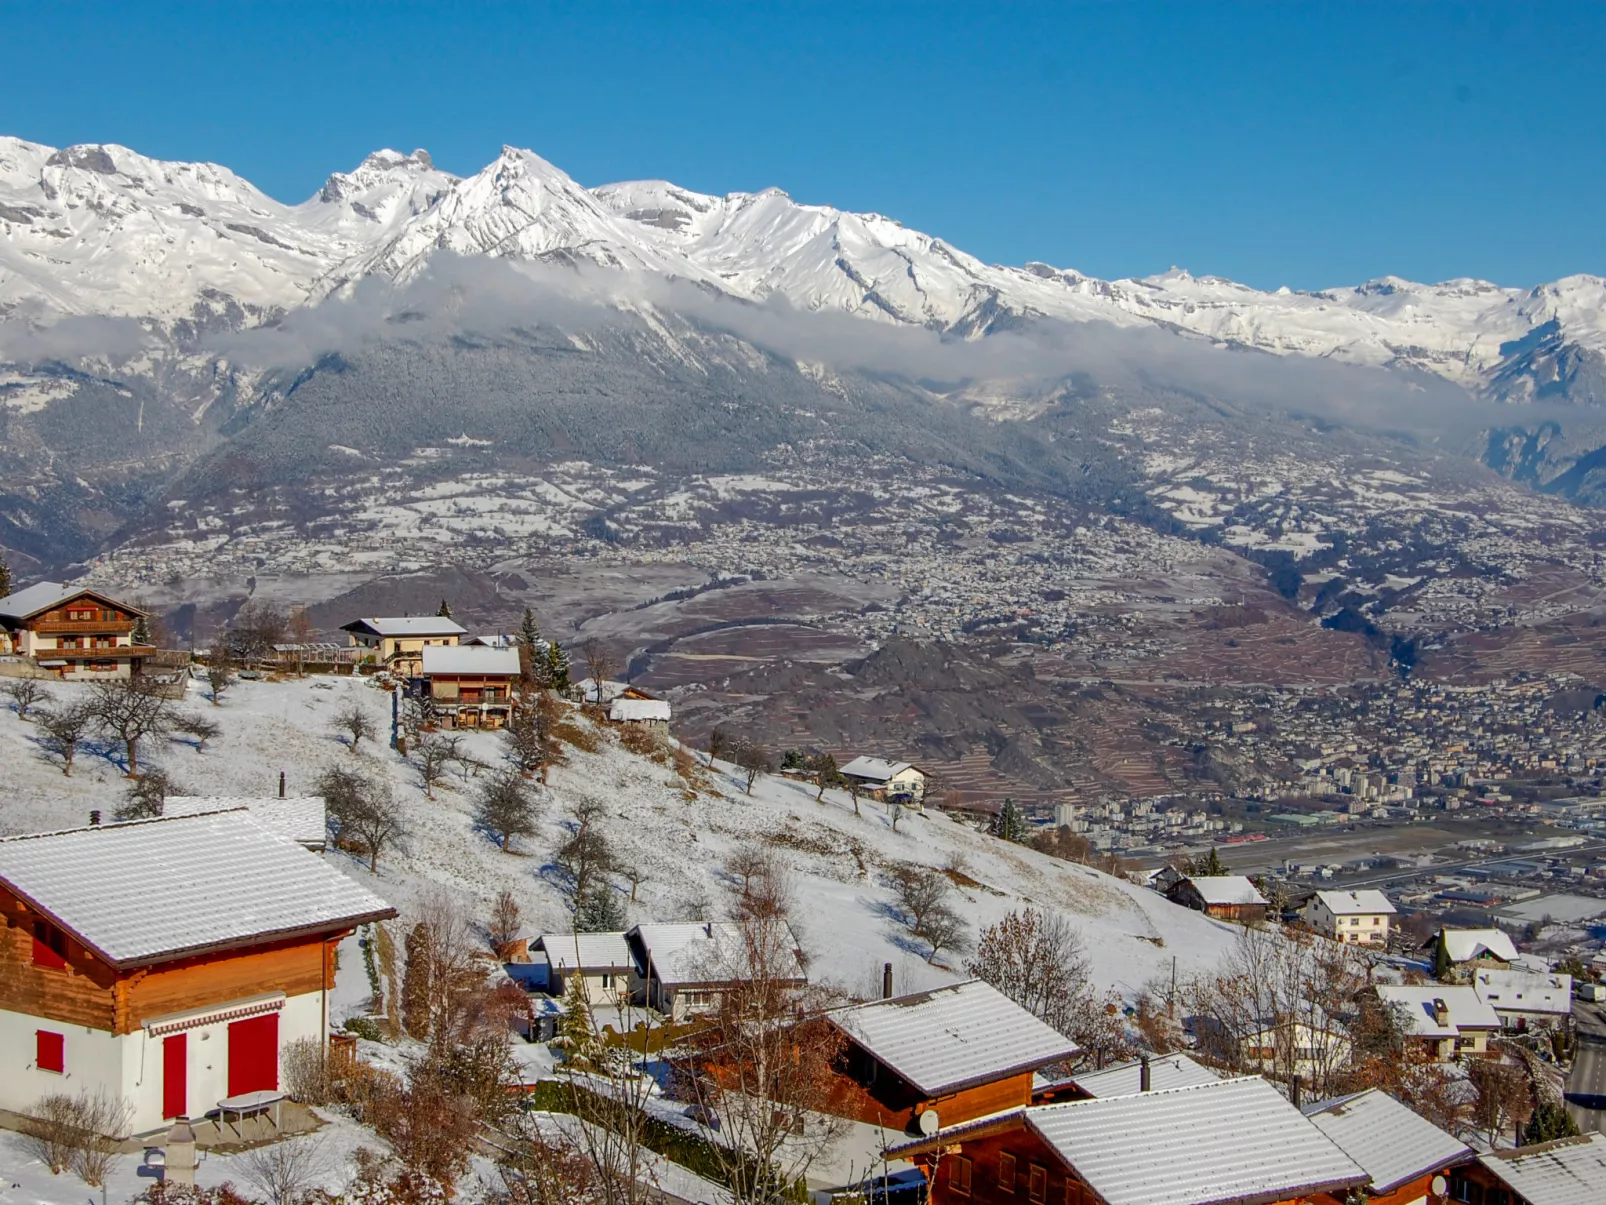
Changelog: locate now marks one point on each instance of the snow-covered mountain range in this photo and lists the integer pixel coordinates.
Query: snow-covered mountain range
(102, 230)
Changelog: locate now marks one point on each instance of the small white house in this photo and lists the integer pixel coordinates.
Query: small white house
(887, 779)
(601, 961)
(1444, 1020)
(1524, 1000)
(687, 967)
(1295, 1048)
(1352, 917)
(167, 962)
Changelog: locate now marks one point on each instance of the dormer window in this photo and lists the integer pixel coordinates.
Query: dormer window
(49, 946)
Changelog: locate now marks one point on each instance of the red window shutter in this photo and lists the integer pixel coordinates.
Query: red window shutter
(50, 1051)
(175, 1076)
(254, 1054)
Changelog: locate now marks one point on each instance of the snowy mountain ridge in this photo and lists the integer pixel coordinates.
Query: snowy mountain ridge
(103, 230)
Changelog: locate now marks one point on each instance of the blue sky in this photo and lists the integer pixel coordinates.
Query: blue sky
(1297, 144)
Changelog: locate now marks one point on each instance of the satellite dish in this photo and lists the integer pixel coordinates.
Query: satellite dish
(1439, 1186)
(929, 1122)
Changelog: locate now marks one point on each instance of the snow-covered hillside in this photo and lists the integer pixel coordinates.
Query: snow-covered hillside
(101, 230)
(845, 916)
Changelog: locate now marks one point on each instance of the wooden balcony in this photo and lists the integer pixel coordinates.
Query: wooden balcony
(84, 627)
(123, 652)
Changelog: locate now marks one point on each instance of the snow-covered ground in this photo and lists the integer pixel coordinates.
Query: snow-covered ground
(677, 844)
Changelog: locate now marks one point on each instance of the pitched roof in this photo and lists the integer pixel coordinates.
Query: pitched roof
(470, 659)
(875, 769)
(1166, 1071)
(1462, 1006)
(1463, 945)
(625, 710)
(409, 625)
(1525, 991)
(1390, 1141)
(302, 818)
(1355, 903)
(952, 1037)
(702, 952)
(1226, 889)
(603, 951)
(151, 890)
(1234, 1140)
(1571, 1171)
(42, 596)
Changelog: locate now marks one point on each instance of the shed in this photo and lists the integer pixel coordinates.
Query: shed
(1399, 1149)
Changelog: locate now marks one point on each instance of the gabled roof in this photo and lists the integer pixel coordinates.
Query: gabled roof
(596, 951)
(628, 710)
(875, 769)
(1571, 1171)
(1231, 1141)
(302, 818)
(471, 659)
(43, 596)
(1225, 889)
(1390, 1141)
(1165, 1071)
(1367, 902)
(152, 890)
(1524, 991)
(692, 952)
(1463, 945)
(1419, 1005)
(953, 1037)
(410, 625)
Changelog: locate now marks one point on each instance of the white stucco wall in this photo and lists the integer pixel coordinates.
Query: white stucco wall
(130, 1065)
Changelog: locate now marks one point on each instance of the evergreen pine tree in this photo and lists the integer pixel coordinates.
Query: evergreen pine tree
(557, 667)
(445, 612)
(1441, 958)
(1009, 824)
(142, 631)
(1213, 866)
(577, 1031)
(600, 911)
(1549, 1122)
(6, 584)
(529, 630)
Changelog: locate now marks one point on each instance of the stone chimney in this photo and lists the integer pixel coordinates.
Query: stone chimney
(1441, 1012)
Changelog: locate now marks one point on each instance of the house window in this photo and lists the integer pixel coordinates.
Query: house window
(1465, 1191)
(607, 979)
(959, 1176)
(1037, 1184)
(1074, 1194)
(50, 1051)
(1006, 1172)
(49, 946)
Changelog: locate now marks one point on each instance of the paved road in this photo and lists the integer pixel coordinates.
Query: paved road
(1586, 1084)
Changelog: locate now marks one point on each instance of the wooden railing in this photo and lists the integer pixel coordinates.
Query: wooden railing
(95, 654)
(119, 627)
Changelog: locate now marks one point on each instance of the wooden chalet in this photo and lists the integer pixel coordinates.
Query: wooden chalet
(1231, 1141)
(1225, 897)
(1401, 1152)
(471, 686)
(1568, 1171)
(72, 632)
(167, 962)
(940, 1057)
(684, 968)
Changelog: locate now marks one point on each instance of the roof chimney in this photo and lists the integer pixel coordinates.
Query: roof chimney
(1144, 1079)
(886, 981)
(1441, 1011)
(94, 820)
(1293, 1091)
(281, 784)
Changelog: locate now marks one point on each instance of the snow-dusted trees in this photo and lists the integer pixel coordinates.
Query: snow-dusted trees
(220, 666)
(1010, 823)
(584, 861)
(131, 710)
(507, 808)
(362, 813)
(531, 737)
(923, 894)
(26, 694)
(256, 627)
(62, 730)
(751, 758)
(354, 723)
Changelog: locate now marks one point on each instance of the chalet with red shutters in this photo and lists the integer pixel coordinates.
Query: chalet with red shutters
(77, 633)
(940, 1057)
(167, 962)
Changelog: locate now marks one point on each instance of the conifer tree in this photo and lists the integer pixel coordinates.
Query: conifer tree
(529, 630)
(142, 631)
(600, 910)
(557, 667)
(415, 990)
(6, 585)
(1213, 866)
(577, 1031)
(445, 612)
(1010, 823)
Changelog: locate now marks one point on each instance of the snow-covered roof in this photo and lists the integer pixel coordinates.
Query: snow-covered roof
(1525, 992)
(470, 659)
(1390, 1141)
(1463, 945)
(409, 625)
(1225, 889)
(1166, 1071)
(951, 1037)
(875, 769)
(1367, 902)
(302, 818)
(1226, 1141)
(1419, 1003)
(598, 951)
(150, 890)
(1571, 1171)
(700, 952)
(628, 710)
(42, 596)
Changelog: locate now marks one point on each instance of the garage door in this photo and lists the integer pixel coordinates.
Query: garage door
(254, 1054)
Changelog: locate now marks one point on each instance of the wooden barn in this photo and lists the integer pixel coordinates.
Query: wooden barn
(1225, 897)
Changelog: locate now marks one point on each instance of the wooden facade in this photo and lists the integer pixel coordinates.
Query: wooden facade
(1186, 894)
(47, 973)
(81, 634)
(473, 700)
(867, 1090)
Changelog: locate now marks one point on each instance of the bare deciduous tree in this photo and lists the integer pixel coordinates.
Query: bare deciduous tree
(1501, 1099)
(585, 855)
(532, 736)
(362, 812)
(198, 728)
(432, 755)
(504, 925)
(601, 664)
(284, 1172)
(220, 665)
(923, 895)
(761, 884)
(752, 759)
(256, 627)
(354, 722)
(132, 710)
(507, 808)
(63, 729)
(25, 694)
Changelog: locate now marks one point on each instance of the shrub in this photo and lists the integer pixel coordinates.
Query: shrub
(306, 1071)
